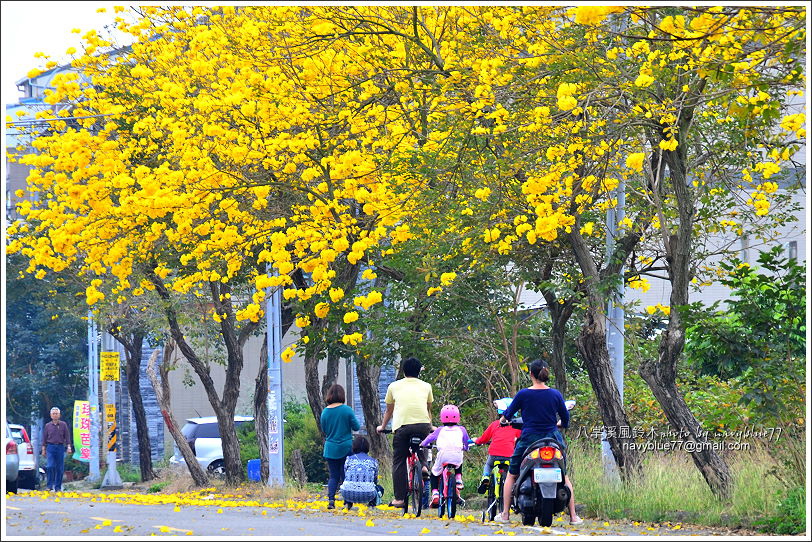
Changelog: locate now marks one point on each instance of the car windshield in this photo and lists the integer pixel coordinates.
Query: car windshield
(17, 435)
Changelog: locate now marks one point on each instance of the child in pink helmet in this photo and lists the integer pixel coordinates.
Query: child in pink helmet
(452, 439)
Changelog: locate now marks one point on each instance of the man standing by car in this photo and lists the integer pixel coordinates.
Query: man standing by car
(55, 440)
(408, 404)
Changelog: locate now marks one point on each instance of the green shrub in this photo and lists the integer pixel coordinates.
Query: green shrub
(128, 472)
(157, 488)
(249, 447)
(77, 467)
(301, 433)
(790, 517)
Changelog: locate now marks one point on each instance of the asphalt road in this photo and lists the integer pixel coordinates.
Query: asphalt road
(35, 514)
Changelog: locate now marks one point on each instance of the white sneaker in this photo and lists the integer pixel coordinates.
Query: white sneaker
(576, 521)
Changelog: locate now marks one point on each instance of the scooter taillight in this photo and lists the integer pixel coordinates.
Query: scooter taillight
(547, 453)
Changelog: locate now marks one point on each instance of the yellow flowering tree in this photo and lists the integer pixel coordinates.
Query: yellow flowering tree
(231, 150)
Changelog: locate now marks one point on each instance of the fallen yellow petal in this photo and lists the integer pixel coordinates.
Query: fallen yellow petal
(424, 531)
(118, 529)
(370, 523)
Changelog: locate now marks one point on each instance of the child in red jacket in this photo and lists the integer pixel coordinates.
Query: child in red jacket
(503, 440)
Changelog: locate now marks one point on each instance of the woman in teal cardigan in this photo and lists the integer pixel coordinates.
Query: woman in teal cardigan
(338, 421)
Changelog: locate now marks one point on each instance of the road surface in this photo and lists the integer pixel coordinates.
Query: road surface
(95, 513)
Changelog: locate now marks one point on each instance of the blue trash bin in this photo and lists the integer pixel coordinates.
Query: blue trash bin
(253, 470)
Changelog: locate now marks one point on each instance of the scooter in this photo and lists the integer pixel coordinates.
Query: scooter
(539, 491)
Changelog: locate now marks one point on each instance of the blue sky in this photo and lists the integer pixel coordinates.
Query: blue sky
(29, 27)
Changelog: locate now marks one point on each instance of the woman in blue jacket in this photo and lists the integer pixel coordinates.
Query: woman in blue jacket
(338, 421)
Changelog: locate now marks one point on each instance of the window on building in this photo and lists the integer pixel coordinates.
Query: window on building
(745, 252)
(792, 250)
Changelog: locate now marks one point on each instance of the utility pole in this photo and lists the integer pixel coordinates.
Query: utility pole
(615, 323)
(110, 372)
(276, 431)
(93, 395)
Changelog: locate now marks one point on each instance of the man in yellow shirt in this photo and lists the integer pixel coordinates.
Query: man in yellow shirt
(408, 405)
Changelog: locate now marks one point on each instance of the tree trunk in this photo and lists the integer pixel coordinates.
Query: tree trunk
(261, 412)
(592, 346)
(368, 375)
(162, 393)
(661, 375)
(133, 346)
(331, 372)
(560, 314)
(557, 359)
(133, 372)
(223, 408)
(314, 397)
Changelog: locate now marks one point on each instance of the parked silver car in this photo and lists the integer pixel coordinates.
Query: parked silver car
(12, 460)
(27, 478)
(203, 436)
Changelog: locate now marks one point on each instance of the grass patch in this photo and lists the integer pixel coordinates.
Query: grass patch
(157, 488)
(671, 488)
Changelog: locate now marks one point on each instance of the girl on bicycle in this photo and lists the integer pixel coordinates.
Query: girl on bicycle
(452, 439)
(502, 439)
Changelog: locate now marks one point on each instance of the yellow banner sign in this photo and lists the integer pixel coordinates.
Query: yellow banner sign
(110, 413)
(110, 366)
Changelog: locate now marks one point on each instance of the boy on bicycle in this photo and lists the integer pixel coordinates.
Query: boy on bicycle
(503, 440)
(452, 439)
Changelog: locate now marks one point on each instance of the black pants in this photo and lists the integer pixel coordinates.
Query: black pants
(400, 451)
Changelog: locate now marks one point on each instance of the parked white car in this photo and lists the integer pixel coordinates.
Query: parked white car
(12, 460)
(203, 436)
(27, 478)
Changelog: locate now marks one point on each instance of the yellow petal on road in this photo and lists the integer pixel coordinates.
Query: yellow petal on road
(176, 509)
(425, 531)
(219, 510)
(370, 523)
(118, 529)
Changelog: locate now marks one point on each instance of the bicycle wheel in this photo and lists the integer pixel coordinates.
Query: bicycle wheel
(443, 493)
(452, 500)
(416, 487)
(500, 494)
(494, 505)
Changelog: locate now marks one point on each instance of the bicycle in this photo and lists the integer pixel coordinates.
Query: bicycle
(414, 475)
(448, 498)
(494, 500)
